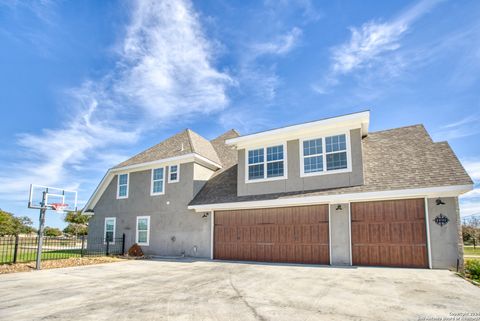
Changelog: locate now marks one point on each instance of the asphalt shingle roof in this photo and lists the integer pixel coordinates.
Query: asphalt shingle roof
(399, 158)
(183, 143)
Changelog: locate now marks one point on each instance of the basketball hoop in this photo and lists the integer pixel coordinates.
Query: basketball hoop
(59, 207)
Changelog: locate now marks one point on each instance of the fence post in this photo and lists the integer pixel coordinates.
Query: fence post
(108, 247)
(15, 251)
(83, 245)
(123, 244)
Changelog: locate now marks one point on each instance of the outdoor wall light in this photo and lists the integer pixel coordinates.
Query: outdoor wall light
(205, 214)
(439, 201)
(339, 207)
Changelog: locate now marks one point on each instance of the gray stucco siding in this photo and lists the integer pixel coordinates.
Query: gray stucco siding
(446, 244)
(294, 181)
(174, 230)
(340, 234)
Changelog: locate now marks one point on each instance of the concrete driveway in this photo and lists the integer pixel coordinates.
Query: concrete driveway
(202, 290)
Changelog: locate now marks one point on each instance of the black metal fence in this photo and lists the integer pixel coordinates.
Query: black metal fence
(16, 249)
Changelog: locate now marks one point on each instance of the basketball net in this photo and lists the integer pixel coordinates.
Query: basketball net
(59, 207)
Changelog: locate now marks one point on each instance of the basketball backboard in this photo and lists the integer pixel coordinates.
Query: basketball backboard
(53, 196)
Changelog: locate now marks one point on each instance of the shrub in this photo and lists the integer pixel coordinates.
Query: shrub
(472, 269)
(135, 250)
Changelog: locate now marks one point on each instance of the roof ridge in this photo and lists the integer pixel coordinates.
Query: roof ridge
(192, 147)
(401, 127)
(233, 130)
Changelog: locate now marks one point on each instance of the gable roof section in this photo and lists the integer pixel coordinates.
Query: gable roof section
(183, 143)
(396, 159)
(227, 154)
(202, 147)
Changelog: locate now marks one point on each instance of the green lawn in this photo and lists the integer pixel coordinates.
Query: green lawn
(26, 255)
(468, 249)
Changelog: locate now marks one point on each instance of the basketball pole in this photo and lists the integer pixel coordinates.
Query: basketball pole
(43, 209)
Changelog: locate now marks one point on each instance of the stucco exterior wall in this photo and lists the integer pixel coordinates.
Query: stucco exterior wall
(294, 181)
(201, 175)
(174, 230)
(445, 241)
(340, 234)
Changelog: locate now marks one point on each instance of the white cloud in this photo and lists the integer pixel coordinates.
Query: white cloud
(464, 127)
(258, 79)
(168, 62)
(369, 42)
(473, 169)
(469, 207)
(470, 202)
(165, 70)
(281, 45)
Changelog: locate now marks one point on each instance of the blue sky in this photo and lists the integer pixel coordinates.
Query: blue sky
(86, 84)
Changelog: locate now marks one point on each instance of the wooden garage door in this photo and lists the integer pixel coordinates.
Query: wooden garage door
(290, 234)
(389, 233)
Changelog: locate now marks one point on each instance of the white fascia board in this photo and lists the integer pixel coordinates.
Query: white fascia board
(440, 191)
(177, 160)
(168, 161)
(351, 121)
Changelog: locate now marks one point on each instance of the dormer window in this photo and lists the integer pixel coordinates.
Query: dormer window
(266, 163)
(325, 155)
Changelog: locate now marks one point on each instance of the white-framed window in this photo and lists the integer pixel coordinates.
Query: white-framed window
(173, 173)
(143, 230)
(325, 155)
(122, 185)
(158, 181)
(109, 229)
(266, 163)
(336, 152)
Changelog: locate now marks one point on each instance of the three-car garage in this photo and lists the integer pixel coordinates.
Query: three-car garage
(383, 233)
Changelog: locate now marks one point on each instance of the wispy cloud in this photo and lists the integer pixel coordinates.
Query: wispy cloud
(470, 202)
(473, 169)
(281, 45)
(164, 71)
(464, 127)
(259, 77)
(370, 42)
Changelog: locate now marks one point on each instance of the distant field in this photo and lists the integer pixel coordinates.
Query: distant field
(468, 249)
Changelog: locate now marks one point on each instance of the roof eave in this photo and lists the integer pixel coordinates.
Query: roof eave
(439, 191)
(144, 166)
(359, 120)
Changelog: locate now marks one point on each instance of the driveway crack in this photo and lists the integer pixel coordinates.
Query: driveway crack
(241, 297)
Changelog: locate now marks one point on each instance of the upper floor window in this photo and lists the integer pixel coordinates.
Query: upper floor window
(313, 155)
(122, 187)
(158, 181)
(261, 167)
(174, 174)
(326, 154)
(336, 152)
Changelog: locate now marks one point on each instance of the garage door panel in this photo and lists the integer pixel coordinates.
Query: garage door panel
(294, 234)
(389, 233)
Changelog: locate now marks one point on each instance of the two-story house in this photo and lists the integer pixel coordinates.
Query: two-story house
(324, 192)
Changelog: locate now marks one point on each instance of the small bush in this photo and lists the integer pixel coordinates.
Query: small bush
(472, 269)
(135, 250)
